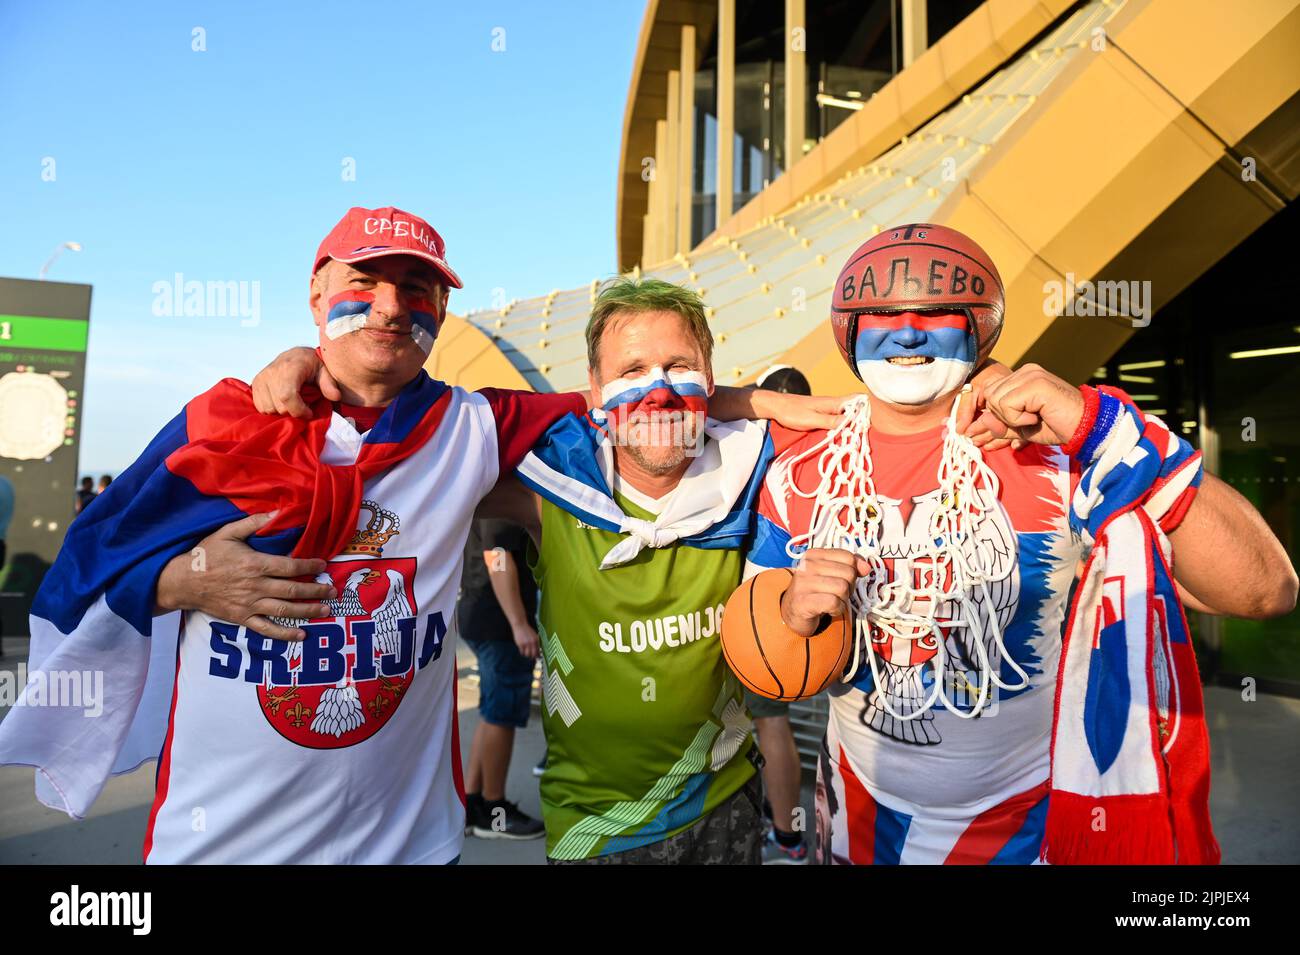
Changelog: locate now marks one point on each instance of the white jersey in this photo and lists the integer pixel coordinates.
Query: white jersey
(937, 787)
(342, 749)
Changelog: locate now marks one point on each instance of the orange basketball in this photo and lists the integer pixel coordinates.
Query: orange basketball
(767, 656)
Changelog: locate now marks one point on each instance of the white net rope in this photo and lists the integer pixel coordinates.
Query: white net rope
(847, 514)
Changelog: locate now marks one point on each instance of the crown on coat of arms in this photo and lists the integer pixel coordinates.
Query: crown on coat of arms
(370, 540)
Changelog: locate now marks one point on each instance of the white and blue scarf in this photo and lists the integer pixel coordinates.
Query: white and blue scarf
(712, 507)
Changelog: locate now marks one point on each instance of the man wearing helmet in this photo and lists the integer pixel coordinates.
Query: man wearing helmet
(953, 738)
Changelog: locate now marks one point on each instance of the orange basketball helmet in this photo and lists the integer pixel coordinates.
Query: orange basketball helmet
(913, 268)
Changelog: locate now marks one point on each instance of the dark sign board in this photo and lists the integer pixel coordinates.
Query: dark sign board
(43, 332)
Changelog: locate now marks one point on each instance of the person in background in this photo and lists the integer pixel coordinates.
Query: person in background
(782, 775)
(784, 380)
(6, 515)
(497, 610)
(85, 493)
(104, 482)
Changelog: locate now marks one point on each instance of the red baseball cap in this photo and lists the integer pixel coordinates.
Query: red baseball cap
(369, 233)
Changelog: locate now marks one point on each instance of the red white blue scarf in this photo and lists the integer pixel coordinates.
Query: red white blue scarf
(1130, 748)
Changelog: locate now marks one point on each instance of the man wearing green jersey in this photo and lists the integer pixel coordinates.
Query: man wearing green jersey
(639, 510)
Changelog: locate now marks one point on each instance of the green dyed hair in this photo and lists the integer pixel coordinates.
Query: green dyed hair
(647, 295)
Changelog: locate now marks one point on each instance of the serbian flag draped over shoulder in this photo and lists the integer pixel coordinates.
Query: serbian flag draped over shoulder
(217, 461)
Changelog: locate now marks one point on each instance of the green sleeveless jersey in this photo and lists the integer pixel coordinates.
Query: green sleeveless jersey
(645, 725)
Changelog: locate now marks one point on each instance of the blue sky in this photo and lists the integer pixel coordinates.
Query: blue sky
(226, 164)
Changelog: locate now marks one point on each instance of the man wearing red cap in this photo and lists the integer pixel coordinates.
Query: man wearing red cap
(340, 747)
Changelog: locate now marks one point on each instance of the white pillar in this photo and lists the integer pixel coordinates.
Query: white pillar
(686, 141)
(914, 30)
(668, 187)
(796, 43)
(726, 92)
(662, 196)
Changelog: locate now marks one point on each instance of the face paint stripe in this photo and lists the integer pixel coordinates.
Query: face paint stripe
(951, 343)
(690, 400)
(350, 310)
(351, 295)
(684, 384)
(920, 322)
(343, 309)
(914, 384)
(424, 330)
(426, 320)
(633, 395)
(337, 327)
(421, 305)
(689, 403)
(658, 374)
(423, 338)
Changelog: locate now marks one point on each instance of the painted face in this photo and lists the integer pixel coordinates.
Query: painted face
(657, 419)
(626, 399)
(349, 311)
(912, 358)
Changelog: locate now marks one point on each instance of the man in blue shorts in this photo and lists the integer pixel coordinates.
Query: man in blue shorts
(497, 614)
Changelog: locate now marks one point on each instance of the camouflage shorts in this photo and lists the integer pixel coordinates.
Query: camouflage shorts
(732, 834)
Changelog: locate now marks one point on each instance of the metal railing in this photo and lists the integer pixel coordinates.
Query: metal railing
(808, 721)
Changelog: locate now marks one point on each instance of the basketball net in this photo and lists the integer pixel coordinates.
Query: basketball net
(847, 514)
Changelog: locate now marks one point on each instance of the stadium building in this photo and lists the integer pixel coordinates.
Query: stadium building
(1130, 165)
